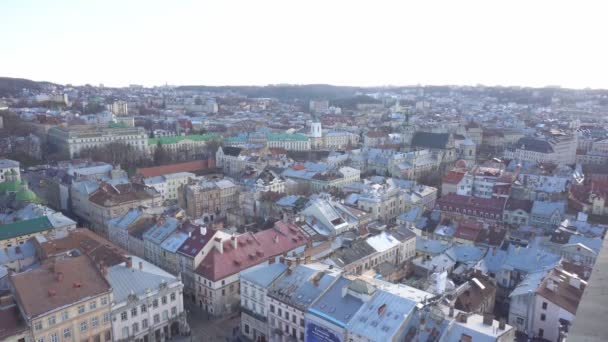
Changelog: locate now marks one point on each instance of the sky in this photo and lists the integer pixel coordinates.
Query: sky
(258, 42)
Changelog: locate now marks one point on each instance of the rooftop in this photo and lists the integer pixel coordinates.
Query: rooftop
(58, 283)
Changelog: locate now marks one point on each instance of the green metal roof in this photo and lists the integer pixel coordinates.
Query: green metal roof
(26, 195)
(25, 227)
(173, 140)
(286, 136)
(12, 186)
(117, 125)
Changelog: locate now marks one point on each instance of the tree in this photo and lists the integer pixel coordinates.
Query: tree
(161, 156)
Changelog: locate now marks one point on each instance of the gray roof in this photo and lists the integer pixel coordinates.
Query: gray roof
(346, 256)
(381, 318)
(264, 275)
(126, 281)
(336, 306)
(159, 233)
(300, 287)
(430, 140)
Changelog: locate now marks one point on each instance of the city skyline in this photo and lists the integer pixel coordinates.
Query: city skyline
(241, 43)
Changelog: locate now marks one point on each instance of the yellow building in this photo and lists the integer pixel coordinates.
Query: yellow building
(65, 300)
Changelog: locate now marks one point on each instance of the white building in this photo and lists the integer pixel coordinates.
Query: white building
(254, 287)
(168, 184)
(72, 140)
(148, 302)
(9, 171)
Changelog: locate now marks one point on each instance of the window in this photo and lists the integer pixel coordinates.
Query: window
(271, 308)
(544, 305)
(123, 316)
(164, 300)
(155, 303)
(65, 316)
(280, 312)
(246, 329)
(173, 311)
(83, 326)
(40, 339)
(81, 309)
(143, 308)
(144, 323)
(135, 328)
(294, 319)
(51, 321)
(465, 338)
(223, 292)
(302, 322)
(165, 315)
(541, 332)
(287, 315)
(94, 322)
(543, 317)
(156, 319)
(38, 326)
(108, 335)
(93, 305)
(104, 300)
(133, 312)
(519, 320)
(67, 333)
(172, 296)
(53, 337)
(106, 318)
(125, 332)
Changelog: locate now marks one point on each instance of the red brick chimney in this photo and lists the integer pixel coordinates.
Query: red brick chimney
(129, 262)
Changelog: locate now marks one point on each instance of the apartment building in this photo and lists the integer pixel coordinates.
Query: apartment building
(66, 299)
(209, 199)
(217, 276)
(110, 201)
(168, 185)
(147, 302)
(72, 140)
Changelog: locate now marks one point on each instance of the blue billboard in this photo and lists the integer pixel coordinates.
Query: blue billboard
(319, 333)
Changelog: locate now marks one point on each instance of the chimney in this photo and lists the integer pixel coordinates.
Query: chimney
(307, 259)
(59, 276)
(104, 270)
(233, 241)
(502, 324)
(275, 239)
(203, 230)
(218, 244)
(575, 282)
(488, 319)
(52, 293)
(141, 266)
(129, 262)
(451, 312)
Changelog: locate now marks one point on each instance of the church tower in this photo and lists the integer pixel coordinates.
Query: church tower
(407, 130)
(315, 127)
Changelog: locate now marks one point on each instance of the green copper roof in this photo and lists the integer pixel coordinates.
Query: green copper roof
(173, 140)
(117, 125)
(25, 227)
(26, 195)
(12, 186)
(286, 136)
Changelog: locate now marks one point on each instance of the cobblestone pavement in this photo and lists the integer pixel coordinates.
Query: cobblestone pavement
(210, 330)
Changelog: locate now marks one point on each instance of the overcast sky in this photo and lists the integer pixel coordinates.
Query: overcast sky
(373, 42)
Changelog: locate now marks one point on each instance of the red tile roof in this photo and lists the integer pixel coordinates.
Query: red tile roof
(468, 230)
(193, 245)
(251, 249)
(193, 166)
(58, 283)
(453, 177)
